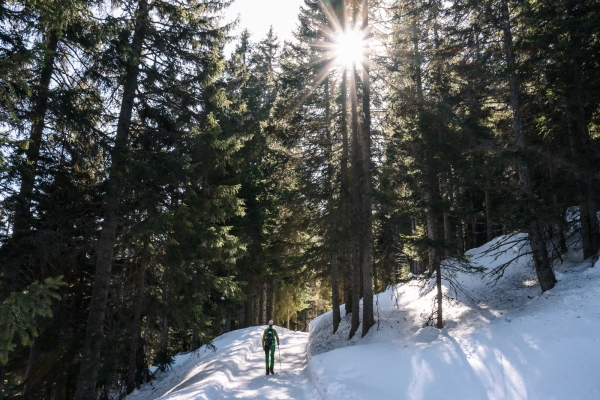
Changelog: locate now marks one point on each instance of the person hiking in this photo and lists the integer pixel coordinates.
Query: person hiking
(268, 343)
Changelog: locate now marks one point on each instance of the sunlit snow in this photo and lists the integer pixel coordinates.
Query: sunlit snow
(512, 342)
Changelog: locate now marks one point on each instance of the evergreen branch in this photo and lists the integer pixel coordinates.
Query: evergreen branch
(19, 311)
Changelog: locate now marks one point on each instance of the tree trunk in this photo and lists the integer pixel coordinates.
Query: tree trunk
(346, 234)
(367, 214)
(226, 324)
(578, 139)
(90, 359)
(136, 326)
(536, 240)
(447, 234)
(488, 217)
(247, 313)
(561, 238)
(595, 226)
(560, 226)
(348, 285)
(468, 236)
(431, 227)
(586, 229)
(460, 238)
(355, 321)
(21, 223)
(434, 261)
(583, 152)
(335, 299)
(356, 172)
(263, 304)
(34, 357)
(35, 136)
(257, 310)
(438, 283)
(272, 302)
(163, 339)
(473, 224)
(333, 236)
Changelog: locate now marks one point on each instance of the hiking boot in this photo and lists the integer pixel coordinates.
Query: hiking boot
(272, 372)
(267, 370)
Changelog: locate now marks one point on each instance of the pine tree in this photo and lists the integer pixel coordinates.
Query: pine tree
(152, 89)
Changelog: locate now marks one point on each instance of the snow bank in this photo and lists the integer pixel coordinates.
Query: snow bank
(509, 342)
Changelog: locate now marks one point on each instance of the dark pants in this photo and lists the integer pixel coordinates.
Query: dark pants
(272, 351)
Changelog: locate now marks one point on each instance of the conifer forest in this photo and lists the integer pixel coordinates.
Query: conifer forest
(157, 191)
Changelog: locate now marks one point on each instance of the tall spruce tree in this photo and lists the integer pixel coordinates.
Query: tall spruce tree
(170, 60)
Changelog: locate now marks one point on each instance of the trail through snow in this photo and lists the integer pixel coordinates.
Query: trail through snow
(236, 370)
(503, 341)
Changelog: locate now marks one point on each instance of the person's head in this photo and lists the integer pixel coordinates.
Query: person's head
(271, 323)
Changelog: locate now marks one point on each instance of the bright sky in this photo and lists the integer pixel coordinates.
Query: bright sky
(259, 15)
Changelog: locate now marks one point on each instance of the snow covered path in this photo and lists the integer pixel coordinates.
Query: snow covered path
(236, 371)
(503, 342)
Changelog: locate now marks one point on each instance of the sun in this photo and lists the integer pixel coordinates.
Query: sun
(349, 48)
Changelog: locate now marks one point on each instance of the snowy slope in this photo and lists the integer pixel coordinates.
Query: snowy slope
(508, 342)
(511, 342)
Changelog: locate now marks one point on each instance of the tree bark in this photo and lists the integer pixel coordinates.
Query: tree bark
(434, 260)
(561, 238)
(335, 296)
(595, 226)
(460, 238)
(21, 224)
(488, 217)
(581, 146)
(356, 172)
(163, 339)
(438, 283)
(333, 236)
(34, 356)
(536, 240)
(447, 233)
(90, 359)
(367, 214)
(577, 129)
(136, 326)
(256, 311)
(263, 304)
(226, 325)
(272, 302)
(346, 238)
(248, 313)
(586, 229)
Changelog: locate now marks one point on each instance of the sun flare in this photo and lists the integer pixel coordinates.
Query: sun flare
(349, 48)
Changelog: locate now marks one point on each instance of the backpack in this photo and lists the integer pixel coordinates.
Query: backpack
(269, 339)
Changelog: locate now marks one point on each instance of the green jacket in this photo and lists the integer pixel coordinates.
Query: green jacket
(274, 335)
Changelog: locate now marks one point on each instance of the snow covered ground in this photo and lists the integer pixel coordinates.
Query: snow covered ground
(507, 342)
(236, 370)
